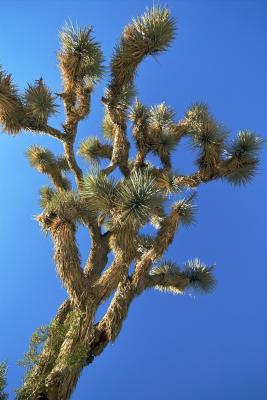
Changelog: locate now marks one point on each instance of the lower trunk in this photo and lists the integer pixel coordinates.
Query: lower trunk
(81, 344)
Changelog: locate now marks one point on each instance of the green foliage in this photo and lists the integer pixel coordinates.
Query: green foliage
(139, 113)
(40, 158)
(77, 357)
(247, 144)
(3, 372)
(37, 340)
(200, 276)
(149, 34)
(243, 174)
(88, 149)
(62, 164)
(163, 143)
(46, 194)
(39, 102)
(167, 183)
(207, 135)
(67, 206)
(165, 267)
(161, 116)
(137, 198)
(92, 150)
(124, 97)
(242, 155)
(186, 210)
(98, 192)
(12, 116)
(81, 56)
(46, 162)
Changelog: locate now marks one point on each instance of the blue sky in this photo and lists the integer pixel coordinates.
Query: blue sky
(192, 347)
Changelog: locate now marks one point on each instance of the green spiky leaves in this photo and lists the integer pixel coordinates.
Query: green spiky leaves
(45, 162)
(93, 151)
(161, 116)
(242, 157)
(81, 58)
(167, 276)
(12, 116)
(164, 268)
(41, 158)
(63, 206)
(186, 210)
(137, 198)
(67, 205)
(200, 276)
(98, 192)
(149, 34)
(139, 113)
(46, 195)
(39, 101)
(207, 135)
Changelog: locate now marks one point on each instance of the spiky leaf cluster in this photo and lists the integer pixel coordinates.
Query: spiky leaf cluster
(200, 276)
(46, 194)
(137, 198)
(207, 135)
(186, 210)
(81, 58)
(39, 102)
(165, 267)
(45, 161)
(171, 279)
(67, 206)
(93, 151)
(242, 157)
(98, 192)
(161, 116)
(40, 158)
(124, 97)
(149, 34)
(139, 113)
(167, 183)
(12, 115)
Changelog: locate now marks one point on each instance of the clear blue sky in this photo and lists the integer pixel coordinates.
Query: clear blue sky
(193, 347)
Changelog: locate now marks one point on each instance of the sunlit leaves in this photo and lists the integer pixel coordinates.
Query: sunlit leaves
(80, 58)
(12, 116)
(98, 192)
(40, 158)
(137, 198)
(139, 113)
(46, 194)
(161, 116)
(92, 150)
(39, 102)
(186, 210)
(150, 33)
(242, 157)
(200, 276)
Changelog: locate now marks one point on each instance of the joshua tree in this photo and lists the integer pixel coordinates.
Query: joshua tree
(114, 201)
